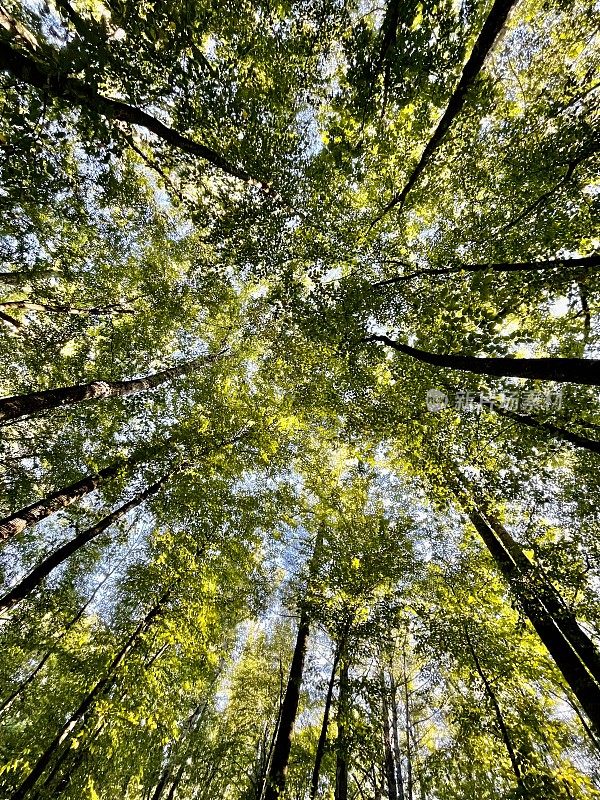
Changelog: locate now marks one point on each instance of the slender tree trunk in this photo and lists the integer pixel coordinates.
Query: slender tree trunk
(70, 761)
(94, 311)
(593, 445)
(289, 710)
(26, 404)
(585, 371)
(390, 770)
(17, 278)
(15, 324)
(341, 762)
(490, 31)
(497, 710)
(568, 662)
(66, 730)
(314, 784)
(56, 84)
(275, 783)
(263, 777)
(396, 735)
(518, 266)
(70, 624)
(409, 766)
(34, 579)
(26, 517)
(192, 722)
(176, 781)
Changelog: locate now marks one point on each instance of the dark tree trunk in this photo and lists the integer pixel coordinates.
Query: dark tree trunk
(518, 266)
(61, 554)
(492, 27)
(66, 730)
(74, 91)
(15, 523)
(585, 371)
(26, 404)
(289, 710)
(390, 767)
(341, 762)
(541, 587)
(275, 783)
(314, 784)
(70, 624)
(396, 736)
(568, 662)
(409, 759)
(554, 430)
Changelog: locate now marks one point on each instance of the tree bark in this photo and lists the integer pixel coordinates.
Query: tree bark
(585, 371)
(409, 765)
(26, 404)
(71, 723)
(289, 710)
(31, 581)
(490, 31)
(314, 784)
(62, 498)
(566, 659)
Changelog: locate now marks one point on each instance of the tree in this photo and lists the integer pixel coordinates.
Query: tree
(299, 400)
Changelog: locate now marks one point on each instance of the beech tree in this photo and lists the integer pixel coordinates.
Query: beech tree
(299, 375)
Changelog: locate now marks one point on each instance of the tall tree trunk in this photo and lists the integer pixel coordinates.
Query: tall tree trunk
(289, 710)
(190, 725)
(585, 371)
(492, 27)
(314, 783)
(341, 762)
(409, 760)
(57, 84)
(26, 404)
(14, 523)
(593, 445)
(263, 778)
(275, 783)
(8, 701)
(566, 659)
(396, 735)
(518, 266)
(390, 769)
(66, 730)
(61, 554)
(562, 615)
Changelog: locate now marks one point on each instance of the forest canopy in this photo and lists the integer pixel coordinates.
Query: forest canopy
(299, 400)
